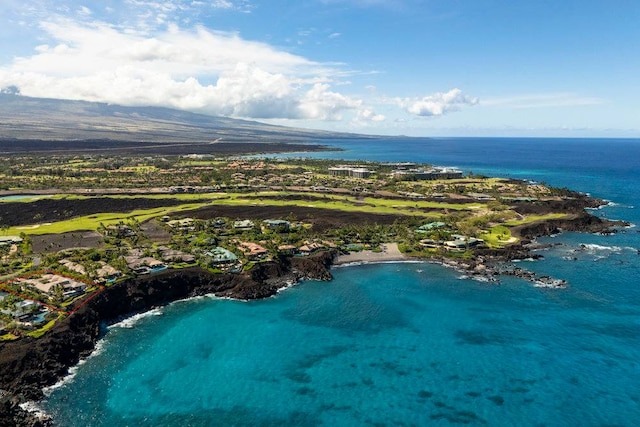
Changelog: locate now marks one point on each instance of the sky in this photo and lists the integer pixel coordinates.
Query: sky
(568, 68)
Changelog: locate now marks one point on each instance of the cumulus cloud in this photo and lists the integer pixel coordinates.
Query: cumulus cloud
(200, 70)
(368, 115)
(196, 69)
(436, 104)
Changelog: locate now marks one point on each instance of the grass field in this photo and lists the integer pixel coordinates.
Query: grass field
(92, 222)
(534, 218)
(498, 236)
(336, 202)
(346, 203)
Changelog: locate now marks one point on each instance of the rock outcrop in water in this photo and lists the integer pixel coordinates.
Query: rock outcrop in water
(27, 365)
(582, 222)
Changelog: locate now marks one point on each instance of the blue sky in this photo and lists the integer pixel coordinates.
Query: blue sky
(414, 67)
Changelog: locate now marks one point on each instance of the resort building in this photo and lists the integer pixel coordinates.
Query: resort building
(350, 171)
(427, 174)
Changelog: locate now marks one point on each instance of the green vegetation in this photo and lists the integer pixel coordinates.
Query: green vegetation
(535, 218)
(498, 236)
(43, 330)
(93, 222)
(315, 211)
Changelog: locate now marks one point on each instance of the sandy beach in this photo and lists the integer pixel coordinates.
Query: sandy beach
(390, 252)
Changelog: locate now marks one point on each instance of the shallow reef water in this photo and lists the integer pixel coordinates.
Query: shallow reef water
(402, 344)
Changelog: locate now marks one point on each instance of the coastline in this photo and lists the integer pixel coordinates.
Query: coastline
(30, 365)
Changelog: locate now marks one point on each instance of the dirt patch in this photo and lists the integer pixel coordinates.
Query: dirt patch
(49, 243)
(155, 232)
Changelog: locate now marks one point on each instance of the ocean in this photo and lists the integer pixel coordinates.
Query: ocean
(402, 343)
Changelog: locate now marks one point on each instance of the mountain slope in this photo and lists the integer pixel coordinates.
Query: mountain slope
(58, 120)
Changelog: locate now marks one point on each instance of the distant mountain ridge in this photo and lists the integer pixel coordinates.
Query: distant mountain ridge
(46, 119)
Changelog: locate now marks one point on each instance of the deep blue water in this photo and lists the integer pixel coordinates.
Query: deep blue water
(403, 344)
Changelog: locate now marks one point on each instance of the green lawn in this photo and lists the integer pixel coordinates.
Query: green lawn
(92, 222)
(534, 218)
(329, 201)
(498, 236)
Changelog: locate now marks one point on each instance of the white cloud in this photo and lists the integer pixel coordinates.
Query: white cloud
(321, 103)
(84, 10)
(436, 104)
(200, 70)
(368, 115)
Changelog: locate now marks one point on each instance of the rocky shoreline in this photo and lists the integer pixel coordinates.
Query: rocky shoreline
(28, 365)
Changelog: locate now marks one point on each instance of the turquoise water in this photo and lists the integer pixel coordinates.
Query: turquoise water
(402, 344)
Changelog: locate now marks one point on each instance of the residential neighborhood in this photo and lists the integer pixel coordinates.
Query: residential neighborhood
(436, 209)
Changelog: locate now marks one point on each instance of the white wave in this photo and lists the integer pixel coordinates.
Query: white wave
(73, 371)
(131, 321)
(35, 409)
(594, 248)
(524, 259)
(550, 283)
(288, 284)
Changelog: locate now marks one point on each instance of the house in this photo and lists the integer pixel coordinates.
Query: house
(143, 265)
(73, 266)
(430, 243)
(107, 273)
(27, 312)
(173, 255)
(287, 249)
(253, 251)
(460, 242)
(48, 283)
(430, 226)
(184, 224)
(246, 224)
(279, 225)
(220, 257)
(309, 248)
(10, 240)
